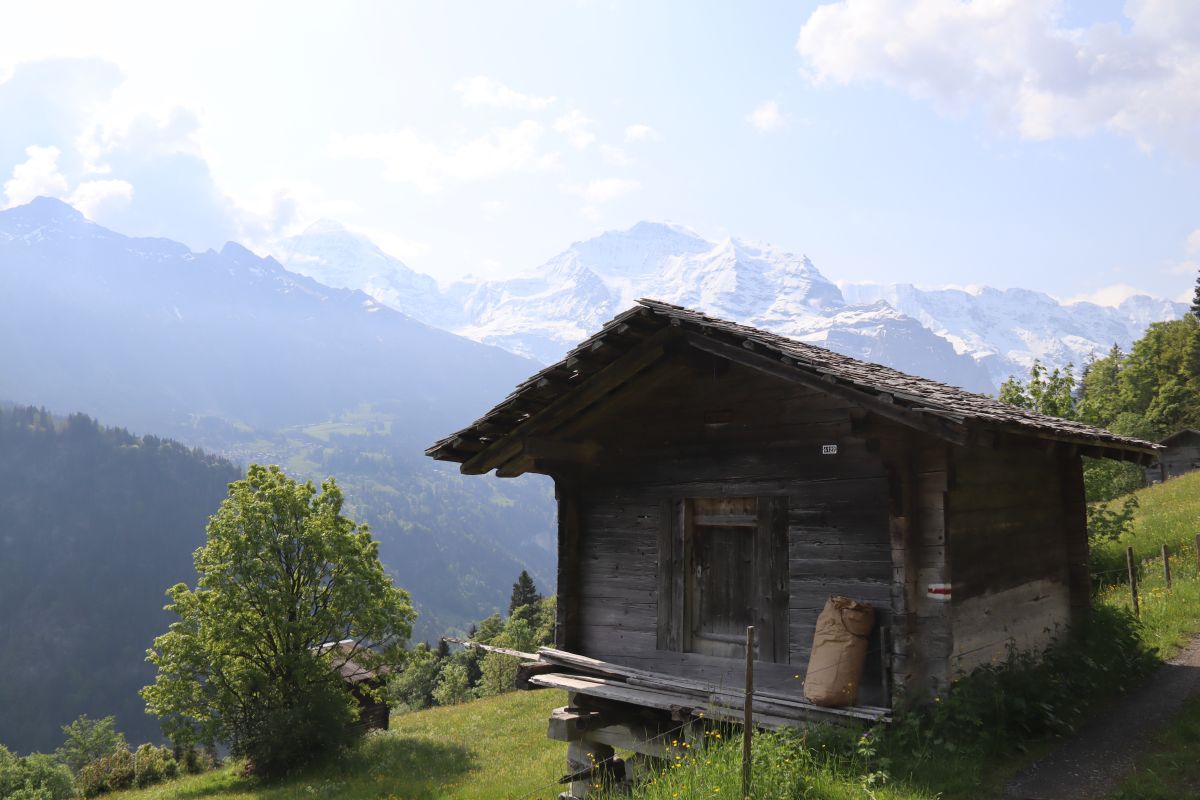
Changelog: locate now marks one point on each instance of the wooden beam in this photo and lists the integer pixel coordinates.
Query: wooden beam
(934, 426)
(570, 531)
(590, 390)
(553, 450)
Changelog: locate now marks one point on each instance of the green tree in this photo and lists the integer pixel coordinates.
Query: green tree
(525, 598)
(1047, 391)
(1196, 299)
(34, 777)
(412, 688)
(87, 740)
(453, 687)
(281, 576)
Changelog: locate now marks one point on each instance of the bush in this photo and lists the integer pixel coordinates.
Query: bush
(192, 760)
(289, 737)
(999, 707)
(153, 765)
(109, 773)
(34, 777)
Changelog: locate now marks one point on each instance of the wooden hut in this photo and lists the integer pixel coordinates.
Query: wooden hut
(364, 684)
(711, 476)
(1180, 454)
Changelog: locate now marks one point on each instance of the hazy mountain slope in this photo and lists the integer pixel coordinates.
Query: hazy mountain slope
(233, 352)
(334, 256)
(95, 525)
(150, 333)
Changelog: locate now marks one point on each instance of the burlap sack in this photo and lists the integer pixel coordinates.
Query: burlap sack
(839, 651)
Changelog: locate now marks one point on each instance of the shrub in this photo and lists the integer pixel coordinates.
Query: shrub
(999, 707)
(153, 765)
(192, 760)
(109, 773)
(285, 738)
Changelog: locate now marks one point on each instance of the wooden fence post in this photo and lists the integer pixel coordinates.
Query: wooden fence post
(1198, 553)
(748, 711)
(1133, 587)
(1166, 551)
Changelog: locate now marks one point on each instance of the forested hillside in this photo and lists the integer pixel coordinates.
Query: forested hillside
(232, 353)
(95, 524)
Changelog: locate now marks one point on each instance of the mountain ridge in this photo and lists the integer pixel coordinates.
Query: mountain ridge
(234, 353)
(970, 339)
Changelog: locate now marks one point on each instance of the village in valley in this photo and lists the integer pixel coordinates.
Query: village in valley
(879, 479)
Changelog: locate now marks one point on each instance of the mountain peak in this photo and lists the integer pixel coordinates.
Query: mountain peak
(53, 208)
(43, 211)
(325, 227)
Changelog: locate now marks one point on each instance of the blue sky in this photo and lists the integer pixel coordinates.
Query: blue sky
(1049, 145)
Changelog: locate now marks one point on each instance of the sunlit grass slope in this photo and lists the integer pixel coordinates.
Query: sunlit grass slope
(486, 749)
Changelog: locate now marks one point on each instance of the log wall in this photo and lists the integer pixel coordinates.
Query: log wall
(768, 443)
(1015, 524)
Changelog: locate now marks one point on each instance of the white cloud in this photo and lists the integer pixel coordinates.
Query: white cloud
(1112, 295)
(1193, 242)
(574, 125)
(96, 197)
(37, 176)
(641, 133)
(603, 190)
(766, 116)
(407, 158)
(1022, 64)
(614, 156)
(484, 91)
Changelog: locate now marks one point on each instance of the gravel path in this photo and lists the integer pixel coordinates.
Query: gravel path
(1089, 764)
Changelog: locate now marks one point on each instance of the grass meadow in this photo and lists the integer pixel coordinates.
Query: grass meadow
(483, 750)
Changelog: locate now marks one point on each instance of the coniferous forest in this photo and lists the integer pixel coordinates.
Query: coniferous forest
(95, 523)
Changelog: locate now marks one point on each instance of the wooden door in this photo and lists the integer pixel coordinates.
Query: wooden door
(721, 588)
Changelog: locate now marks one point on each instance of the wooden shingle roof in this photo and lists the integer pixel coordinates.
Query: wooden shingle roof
(616, 352)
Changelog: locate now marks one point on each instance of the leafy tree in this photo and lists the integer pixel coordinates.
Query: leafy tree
(547, 621)
(412, 688)
(525, 598)
(87, 740)
(282, 574)
(489, 629)
(452, 687)
(1047, 391)
(34, 777)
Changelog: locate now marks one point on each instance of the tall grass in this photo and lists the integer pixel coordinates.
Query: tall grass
(1168, 513)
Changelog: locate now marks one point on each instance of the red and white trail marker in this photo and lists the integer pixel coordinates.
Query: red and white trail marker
(938, 591)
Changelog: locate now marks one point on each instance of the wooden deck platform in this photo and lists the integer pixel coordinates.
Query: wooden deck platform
(682, 697)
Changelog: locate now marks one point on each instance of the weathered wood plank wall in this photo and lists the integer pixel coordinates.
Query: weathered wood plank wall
(660, 451)
(1009, 551)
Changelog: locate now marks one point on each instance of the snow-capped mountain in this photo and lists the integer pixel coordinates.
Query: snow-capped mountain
(1005, 330)
(973, 339)
(332, 255)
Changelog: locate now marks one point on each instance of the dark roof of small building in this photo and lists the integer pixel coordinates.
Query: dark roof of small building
(935, 407)
(1181, 434)
(343, 661)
